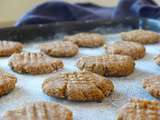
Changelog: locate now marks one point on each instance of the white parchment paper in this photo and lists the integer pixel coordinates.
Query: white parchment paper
(28, 88)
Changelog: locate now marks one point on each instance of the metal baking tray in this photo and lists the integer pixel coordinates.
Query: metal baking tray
(47, 31)
(28, 88)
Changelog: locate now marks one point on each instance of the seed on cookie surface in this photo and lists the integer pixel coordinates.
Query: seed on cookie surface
(141, 36)
(137, 109)
(107, 65)
(39, 111)
(34, 63)
(78, 86)
(7, 82)
(7, 48)
(152, 85)
(133, 49)
(60, 49)
(86, 39)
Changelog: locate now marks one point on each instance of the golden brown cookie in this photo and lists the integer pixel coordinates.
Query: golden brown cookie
(78, 86)
(7, 82)
(86, 39)
(133, 49)
(7, 48)
(34, 63)
(157, 60)
(152, 85)
(108, 65)
(60, 49)
(138, 109)
(140, 36)
(39, 111)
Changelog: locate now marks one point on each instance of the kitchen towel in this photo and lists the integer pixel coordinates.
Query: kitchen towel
(52, 11)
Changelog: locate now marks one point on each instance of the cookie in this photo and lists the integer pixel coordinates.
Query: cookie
(78, 86)
(157, 60)
(152, 85)
(133, 49)
(60, 49)
(137, 109)
(141, 36)
(34, 63)
(7, 48)
(39, 111)
(108, 65)
(86, 39)
(7, 82)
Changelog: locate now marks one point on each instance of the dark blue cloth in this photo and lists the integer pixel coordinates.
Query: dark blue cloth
(61, 11)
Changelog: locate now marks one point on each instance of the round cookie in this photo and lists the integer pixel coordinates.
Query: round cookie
(140, 36)
(133, 49)
(137, 109)
(152, 85)
(7, 48)
(60, 49)
(108, 65)
(39, 111)
(86, 39)
(7, 82)
(34, 63)
(157, 60)
(78, 86)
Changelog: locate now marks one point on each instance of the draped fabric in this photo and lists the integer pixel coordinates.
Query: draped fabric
(61, 11)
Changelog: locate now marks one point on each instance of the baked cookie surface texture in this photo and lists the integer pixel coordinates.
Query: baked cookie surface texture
(140, 36)
(133, 49)
(7, 82)
(107, 65)
(7, 48)
(157, 60)
(60, 49)
(86, 39)
(78, 86)
(152, 85)
(138, 109)
(34, 63)
(39, 111)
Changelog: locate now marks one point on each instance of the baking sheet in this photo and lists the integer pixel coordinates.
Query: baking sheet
(28, 88)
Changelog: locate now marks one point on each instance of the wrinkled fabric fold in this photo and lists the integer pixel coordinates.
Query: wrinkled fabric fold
(61, 11)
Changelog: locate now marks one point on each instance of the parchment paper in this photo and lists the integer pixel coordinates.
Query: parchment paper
(28, 88)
